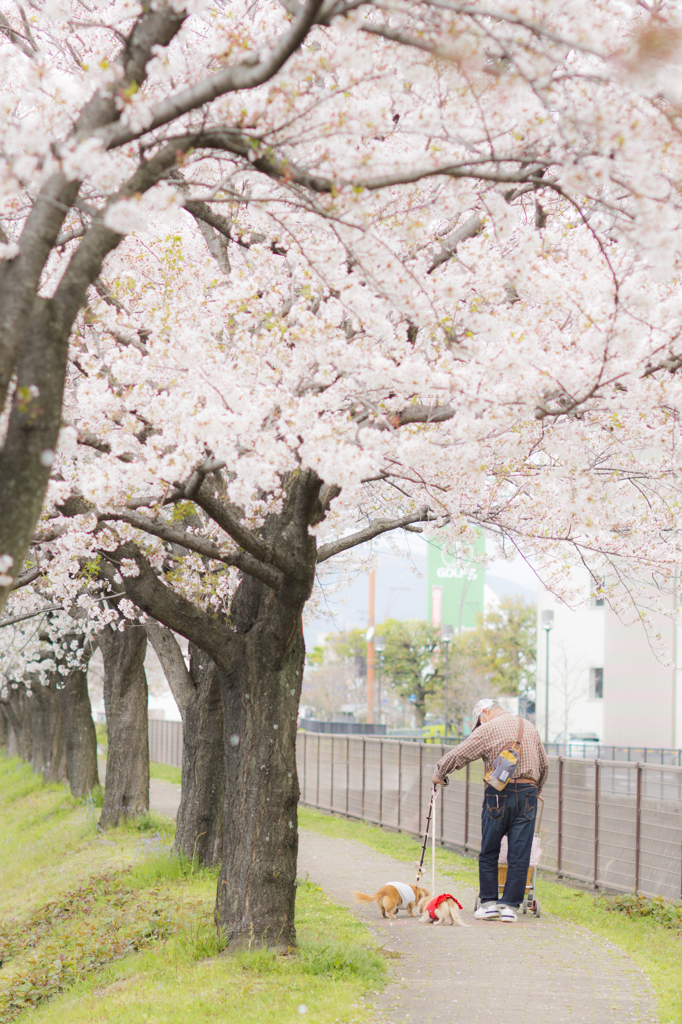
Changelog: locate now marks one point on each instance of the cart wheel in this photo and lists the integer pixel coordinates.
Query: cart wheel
(524, 905)
(537, 910)
(477, 903)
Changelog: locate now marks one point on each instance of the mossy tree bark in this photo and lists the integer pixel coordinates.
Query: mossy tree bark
(18, 712)
(80, 734)
(48, 754)
(199, 826)
(126, 791)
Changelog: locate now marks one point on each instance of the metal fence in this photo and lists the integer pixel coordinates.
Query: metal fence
(605, 823)
(648, 755)
(165, 742)
(602, 751)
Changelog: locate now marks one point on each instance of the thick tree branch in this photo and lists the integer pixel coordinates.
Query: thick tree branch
(30, 615)
(247, 75)
(239, 534)
(172, 661)
(448, 244)
(282, 169)
(374, 530)
(168, 607)
(158, 528)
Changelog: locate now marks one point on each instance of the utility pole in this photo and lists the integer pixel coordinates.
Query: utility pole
(379, 648)
(370, 650)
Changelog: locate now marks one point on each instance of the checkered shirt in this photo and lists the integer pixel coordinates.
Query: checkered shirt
(495, 736)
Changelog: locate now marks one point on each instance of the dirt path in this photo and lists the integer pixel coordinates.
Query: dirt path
(532, 972)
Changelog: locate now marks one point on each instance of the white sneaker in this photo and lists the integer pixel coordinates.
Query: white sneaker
(487, 912)
(508, 914)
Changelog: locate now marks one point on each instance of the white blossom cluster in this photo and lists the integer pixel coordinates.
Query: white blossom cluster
(440, 268)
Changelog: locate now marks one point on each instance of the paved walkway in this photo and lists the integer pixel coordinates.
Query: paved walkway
(547, 972)
(532, 972)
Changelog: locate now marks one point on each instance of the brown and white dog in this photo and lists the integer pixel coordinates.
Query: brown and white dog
(393, 896)
(443, 909)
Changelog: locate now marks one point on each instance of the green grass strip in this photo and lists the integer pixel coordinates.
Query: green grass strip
(110, 927)
(654, 946)
(166, 772)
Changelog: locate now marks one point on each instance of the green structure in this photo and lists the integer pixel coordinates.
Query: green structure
(454, 591)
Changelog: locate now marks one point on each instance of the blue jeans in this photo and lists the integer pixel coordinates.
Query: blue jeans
(510, 813)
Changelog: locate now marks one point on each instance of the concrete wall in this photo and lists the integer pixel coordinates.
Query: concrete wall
(638, 688)
(642, 702)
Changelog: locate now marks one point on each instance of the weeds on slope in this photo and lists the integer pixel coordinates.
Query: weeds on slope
(112, 927)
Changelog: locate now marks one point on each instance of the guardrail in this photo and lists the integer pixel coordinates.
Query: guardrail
(609, 824)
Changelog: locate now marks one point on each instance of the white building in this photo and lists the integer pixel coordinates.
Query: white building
(605, 678)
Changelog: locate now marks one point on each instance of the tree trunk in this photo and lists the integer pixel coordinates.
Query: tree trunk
(19, 716)
(260, 691)
(125, 700)
(4, 728)
(419, 715)
(199, 829)
(81, 738)
(259, 653)
(48, 754)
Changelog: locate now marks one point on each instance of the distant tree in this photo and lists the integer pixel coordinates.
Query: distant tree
(348, 646)
(412, 662)
(335, 671)
(504, 646)
(461, 684)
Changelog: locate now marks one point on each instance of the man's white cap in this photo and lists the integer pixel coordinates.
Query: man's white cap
(483, 705)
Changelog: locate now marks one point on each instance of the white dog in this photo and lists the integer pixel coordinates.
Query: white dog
(443, 909)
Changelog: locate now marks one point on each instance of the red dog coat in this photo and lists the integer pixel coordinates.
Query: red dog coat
(431, 907)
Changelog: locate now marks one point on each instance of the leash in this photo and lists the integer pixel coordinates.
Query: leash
(433, 844)
(432, 808)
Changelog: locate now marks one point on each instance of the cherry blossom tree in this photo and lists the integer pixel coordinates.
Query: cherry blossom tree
(44, 655)
(323, 272)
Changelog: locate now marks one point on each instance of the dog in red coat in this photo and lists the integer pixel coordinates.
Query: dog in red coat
(443, 909)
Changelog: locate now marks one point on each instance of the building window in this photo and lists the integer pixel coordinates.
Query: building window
(597, 683)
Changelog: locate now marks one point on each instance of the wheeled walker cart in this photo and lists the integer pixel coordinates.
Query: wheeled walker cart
(531, 903)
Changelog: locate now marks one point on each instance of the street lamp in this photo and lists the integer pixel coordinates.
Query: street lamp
(446, 635)
(547, 620)
(379, 647)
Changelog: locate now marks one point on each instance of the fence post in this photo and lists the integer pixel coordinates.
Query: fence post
(317, 787)
(381, 781)
(596, 821)
(559, 819)
(400, 778)
(331, 776)
(419, 794)
(347, 770)
(364, 745)
(305, 763)
(638, 824)
(466, 809)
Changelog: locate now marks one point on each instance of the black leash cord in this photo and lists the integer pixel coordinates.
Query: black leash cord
(426, 836)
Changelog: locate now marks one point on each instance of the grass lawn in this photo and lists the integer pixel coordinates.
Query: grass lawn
(657, 950)
(112, 928)
(166, 772)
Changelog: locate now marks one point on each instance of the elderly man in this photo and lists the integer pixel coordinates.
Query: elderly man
(509, 812)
